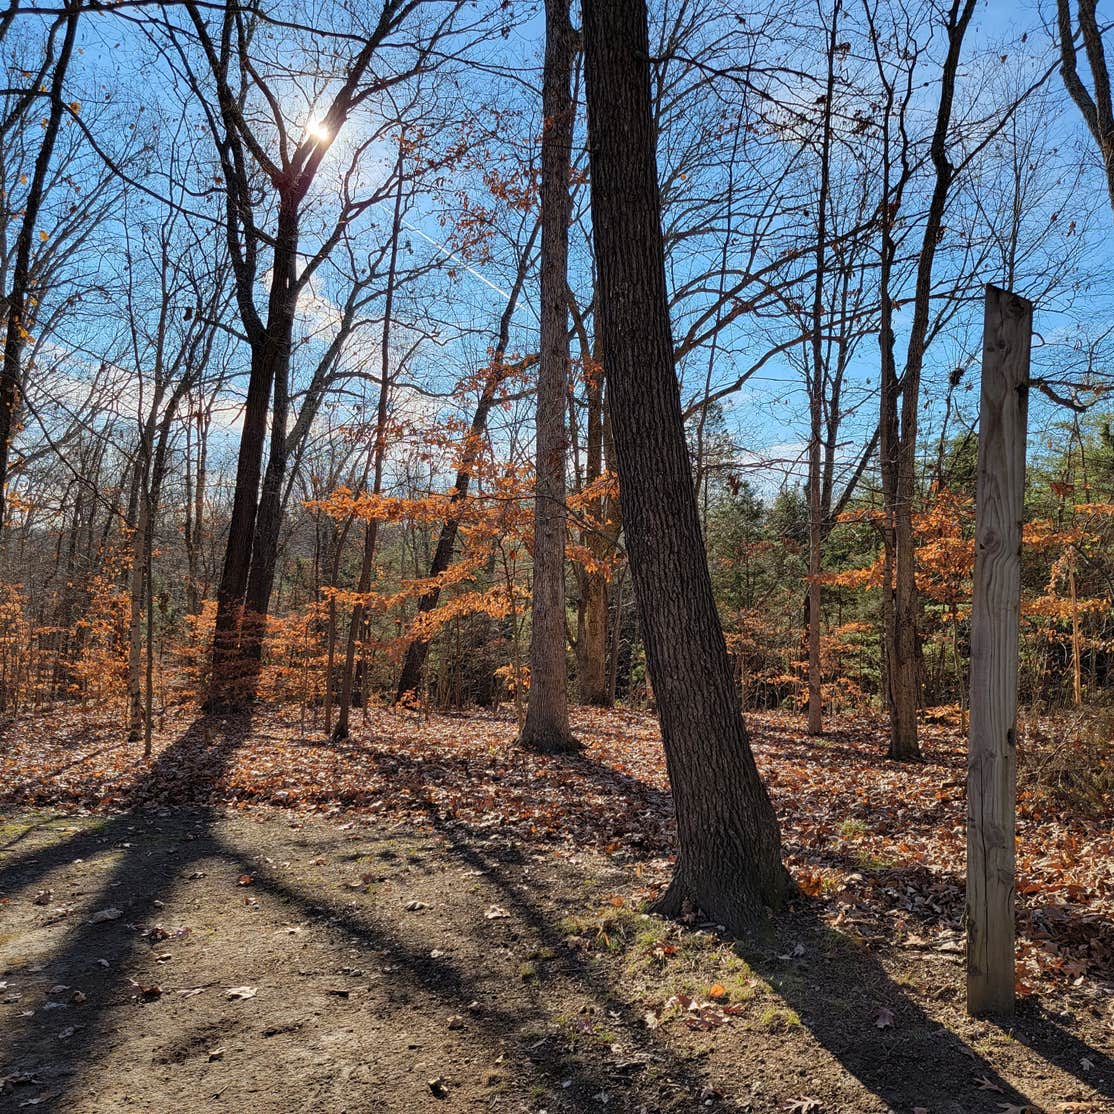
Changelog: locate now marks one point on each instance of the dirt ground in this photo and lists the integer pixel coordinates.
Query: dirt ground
(173, 960)
(167, 944)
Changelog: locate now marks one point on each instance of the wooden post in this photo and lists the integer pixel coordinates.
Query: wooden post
(992, 756)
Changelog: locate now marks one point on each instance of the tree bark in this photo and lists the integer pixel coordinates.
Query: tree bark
(547, 712)
(234, 674)
(729, 847)
(1097, 107)
(600, 539)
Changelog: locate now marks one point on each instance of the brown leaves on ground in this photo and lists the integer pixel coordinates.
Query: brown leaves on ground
(877, 846)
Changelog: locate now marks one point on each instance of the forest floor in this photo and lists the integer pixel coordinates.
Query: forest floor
(425, 919)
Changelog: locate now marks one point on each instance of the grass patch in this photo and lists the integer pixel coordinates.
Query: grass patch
(779, 1019)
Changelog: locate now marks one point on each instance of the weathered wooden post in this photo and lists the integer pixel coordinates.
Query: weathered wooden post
(992, 755)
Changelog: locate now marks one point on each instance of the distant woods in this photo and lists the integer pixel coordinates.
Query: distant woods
(308, 394)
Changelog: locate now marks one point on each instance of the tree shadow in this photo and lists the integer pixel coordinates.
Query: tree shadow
(915, 1063)
(869, 1024)
(835, 1003)
(638, 813)
(933, 897)
(1041, 1030)
(101, 956)
(579, 1078)
(99, 952)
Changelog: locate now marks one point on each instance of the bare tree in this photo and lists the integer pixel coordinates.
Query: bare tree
(19, 297)
(1095, 104)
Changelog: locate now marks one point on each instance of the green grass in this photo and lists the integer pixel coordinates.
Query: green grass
(779, 1019)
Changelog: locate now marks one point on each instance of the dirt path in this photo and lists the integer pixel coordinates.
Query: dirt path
(170, 960)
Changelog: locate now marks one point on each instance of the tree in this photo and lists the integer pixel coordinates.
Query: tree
(170, 348)
(20, 297)
(1095, 105)
(900, 393)
(729, 845)
(379, 455)
(816, 393)
(494, 377)
(248, 112)
(547, 713)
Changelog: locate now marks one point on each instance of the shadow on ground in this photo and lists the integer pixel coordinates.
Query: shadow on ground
(834, 986)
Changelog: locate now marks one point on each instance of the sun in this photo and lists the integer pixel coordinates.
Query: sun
(318, 132)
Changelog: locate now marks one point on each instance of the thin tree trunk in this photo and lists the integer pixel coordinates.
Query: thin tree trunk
(816, 402)
(413, 665)
(372, 531)
(137, 582)
(21, 294)
(1076, 640)
(547, 713)
(600, 540)
(729, 852)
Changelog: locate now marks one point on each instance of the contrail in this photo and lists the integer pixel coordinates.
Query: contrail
(456, 258)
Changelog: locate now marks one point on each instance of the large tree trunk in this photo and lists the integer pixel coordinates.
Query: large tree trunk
(729, 846)
(547, 710)
(235, 675)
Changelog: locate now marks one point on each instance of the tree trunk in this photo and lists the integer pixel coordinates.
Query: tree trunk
(729, 848)
(21, 294)
(600, 540)
(137, 582)
(817, 384)
(413, 665)
(547, 712)
(371, 532)
(234, 679)
(902, 664)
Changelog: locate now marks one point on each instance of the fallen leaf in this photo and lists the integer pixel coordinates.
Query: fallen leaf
(805, 1105)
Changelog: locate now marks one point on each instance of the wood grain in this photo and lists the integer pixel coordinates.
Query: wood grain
(992, 753)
